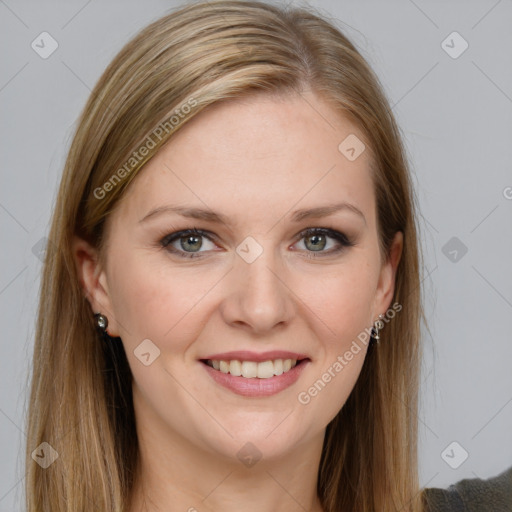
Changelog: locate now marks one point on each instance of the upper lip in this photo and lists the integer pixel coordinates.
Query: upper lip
(247, 355)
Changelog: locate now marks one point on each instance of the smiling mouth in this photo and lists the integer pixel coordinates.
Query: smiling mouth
(253, 369)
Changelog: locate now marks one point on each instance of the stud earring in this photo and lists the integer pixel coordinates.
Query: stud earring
(101, 321)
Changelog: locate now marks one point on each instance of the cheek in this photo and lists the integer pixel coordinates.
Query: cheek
(341, 299)
(342, 304)
(156, 301)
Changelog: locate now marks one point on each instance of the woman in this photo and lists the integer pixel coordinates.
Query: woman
(256, 373)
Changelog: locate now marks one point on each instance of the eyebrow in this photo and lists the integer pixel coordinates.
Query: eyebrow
(209, 215)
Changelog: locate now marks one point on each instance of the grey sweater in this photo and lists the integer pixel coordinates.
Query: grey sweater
(472, 495)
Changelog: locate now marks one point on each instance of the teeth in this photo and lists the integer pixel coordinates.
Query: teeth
(249, 369)
(235, 368)
(252, 369)
(278, 367)
(265, 370)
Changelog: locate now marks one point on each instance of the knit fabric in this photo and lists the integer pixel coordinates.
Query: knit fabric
(472, 495)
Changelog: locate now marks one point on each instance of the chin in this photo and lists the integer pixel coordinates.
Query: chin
(272, 437)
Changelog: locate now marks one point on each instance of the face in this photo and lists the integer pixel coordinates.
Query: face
(265, 278)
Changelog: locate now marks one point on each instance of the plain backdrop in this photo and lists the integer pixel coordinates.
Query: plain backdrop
(452, 97)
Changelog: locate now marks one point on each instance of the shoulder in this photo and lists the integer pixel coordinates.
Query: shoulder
(472, 495)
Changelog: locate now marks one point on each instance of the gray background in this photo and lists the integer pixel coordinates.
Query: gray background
(456, 117)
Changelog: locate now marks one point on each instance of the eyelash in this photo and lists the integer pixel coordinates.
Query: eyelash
(342, 239)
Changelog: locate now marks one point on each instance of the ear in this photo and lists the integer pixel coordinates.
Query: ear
(94, 281)
(386, 285)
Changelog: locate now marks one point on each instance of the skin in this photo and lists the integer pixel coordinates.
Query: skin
(256, 160)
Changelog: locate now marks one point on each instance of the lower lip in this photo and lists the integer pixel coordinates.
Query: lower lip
(257, 387)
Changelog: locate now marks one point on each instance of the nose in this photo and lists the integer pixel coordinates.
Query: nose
(257, 297)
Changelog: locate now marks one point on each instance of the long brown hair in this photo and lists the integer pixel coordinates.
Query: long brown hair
(80, 397)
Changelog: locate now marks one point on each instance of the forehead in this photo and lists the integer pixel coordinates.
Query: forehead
(257, 156)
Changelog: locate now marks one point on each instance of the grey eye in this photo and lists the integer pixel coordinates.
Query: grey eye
(316, 242)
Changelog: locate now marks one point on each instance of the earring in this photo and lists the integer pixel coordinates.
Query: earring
(101, 321)
(379, 324)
